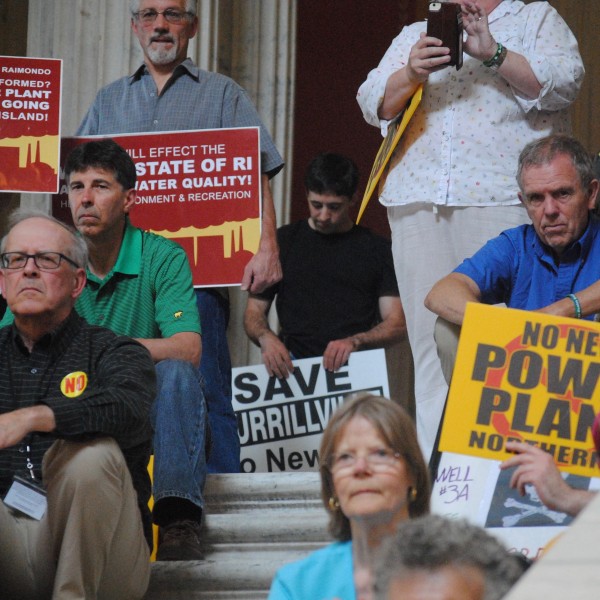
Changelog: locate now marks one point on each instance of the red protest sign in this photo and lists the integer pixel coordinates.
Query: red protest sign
(198, 188)
(29, 124)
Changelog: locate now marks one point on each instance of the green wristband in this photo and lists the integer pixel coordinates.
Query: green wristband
(577, 304)
(497, 59)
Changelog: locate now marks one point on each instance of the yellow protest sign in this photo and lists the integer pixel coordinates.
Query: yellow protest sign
(387, 148)
(529, 377)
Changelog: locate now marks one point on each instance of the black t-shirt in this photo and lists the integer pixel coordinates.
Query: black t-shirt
(331, 285)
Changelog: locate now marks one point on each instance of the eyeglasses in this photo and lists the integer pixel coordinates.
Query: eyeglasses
(172, 15)
(378, 460)
(45, 261)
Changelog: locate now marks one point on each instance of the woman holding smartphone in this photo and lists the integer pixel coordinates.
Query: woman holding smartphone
(450, 184)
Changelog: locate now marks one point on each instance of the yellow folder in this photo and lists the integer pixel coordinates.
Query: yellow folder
(387, 147)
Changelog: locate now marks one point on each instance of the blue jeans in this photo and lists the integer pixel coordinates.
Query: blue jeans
(179, 421)
(215, 368)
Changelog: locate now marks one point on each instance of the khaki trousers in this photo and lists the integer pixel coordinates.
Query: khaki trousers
(446, 336)
(428, 243)
(90, 544)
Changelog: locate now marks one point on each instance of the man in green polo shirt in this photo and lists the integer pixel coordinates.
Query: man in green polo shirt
(140, 285)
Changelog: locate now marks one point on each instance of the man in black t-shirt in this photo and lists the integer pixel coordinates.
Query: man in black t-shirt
(339, 292)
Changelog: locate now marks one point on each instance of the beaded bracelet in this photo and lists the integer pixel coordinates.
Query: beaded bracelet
(577, 304)
(497, 59)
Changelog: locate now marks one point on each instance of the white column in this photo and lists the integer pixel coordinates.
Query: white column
(94, 41)
(257, 49)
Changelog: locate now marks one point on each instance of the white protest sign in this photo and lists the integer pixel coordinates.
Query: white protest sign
(280, 421)
(475, 489)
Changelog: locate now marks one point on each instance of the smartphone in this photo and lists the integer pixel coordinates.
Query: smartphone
(444, 21)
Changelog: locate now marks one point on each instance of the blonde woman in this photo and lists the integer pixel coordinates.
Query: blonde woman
(373, 477)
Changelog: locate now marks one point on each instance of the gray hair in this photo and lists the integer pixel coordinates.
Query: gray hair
(541, 152)
(432, 542)
(77, 250)
(190, 6)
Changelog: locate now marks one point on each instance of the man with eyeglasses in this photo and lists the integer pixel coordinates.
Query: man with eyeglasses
(140, 285)
(74, 429)
(169, 92)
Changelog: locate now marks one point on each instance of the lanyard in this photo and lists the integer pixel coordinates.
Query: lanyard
(27, 441)
(28, 461)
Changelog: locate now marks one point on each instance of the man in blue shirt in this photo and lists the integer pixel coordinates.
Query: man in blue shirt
(548, 264)
(551, 265)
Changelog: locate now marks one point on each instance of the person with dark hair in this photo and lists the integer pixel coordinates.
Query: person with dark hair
(332, 174)
(373, 478)
(140, 284)
(437, 558)
(75, 429)
(338, 293)
(106, 155)
(168, 92)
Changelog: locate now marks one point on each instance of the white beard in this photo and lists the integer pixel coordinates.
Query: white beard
(161, 56)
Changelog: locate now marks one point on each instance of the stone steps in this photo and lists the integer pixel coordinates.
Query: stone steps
(254, 523)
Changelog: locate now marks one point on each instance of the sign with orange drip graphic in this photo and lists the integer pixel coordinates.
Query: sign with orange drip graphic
(29, 124)
(202, 189)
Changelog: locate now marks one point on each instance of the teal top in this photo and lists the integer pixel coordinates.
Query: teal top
(323, 575)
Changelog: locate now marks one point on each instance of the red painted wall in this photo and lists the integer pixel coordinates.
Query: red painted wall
(338, 43)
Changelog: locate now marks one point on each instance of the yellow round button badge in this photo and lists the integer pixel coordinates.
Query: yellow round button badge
(74, 384)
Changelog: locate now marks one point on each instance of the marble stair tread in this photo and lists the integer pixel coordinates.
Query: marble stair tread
(254, 523)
